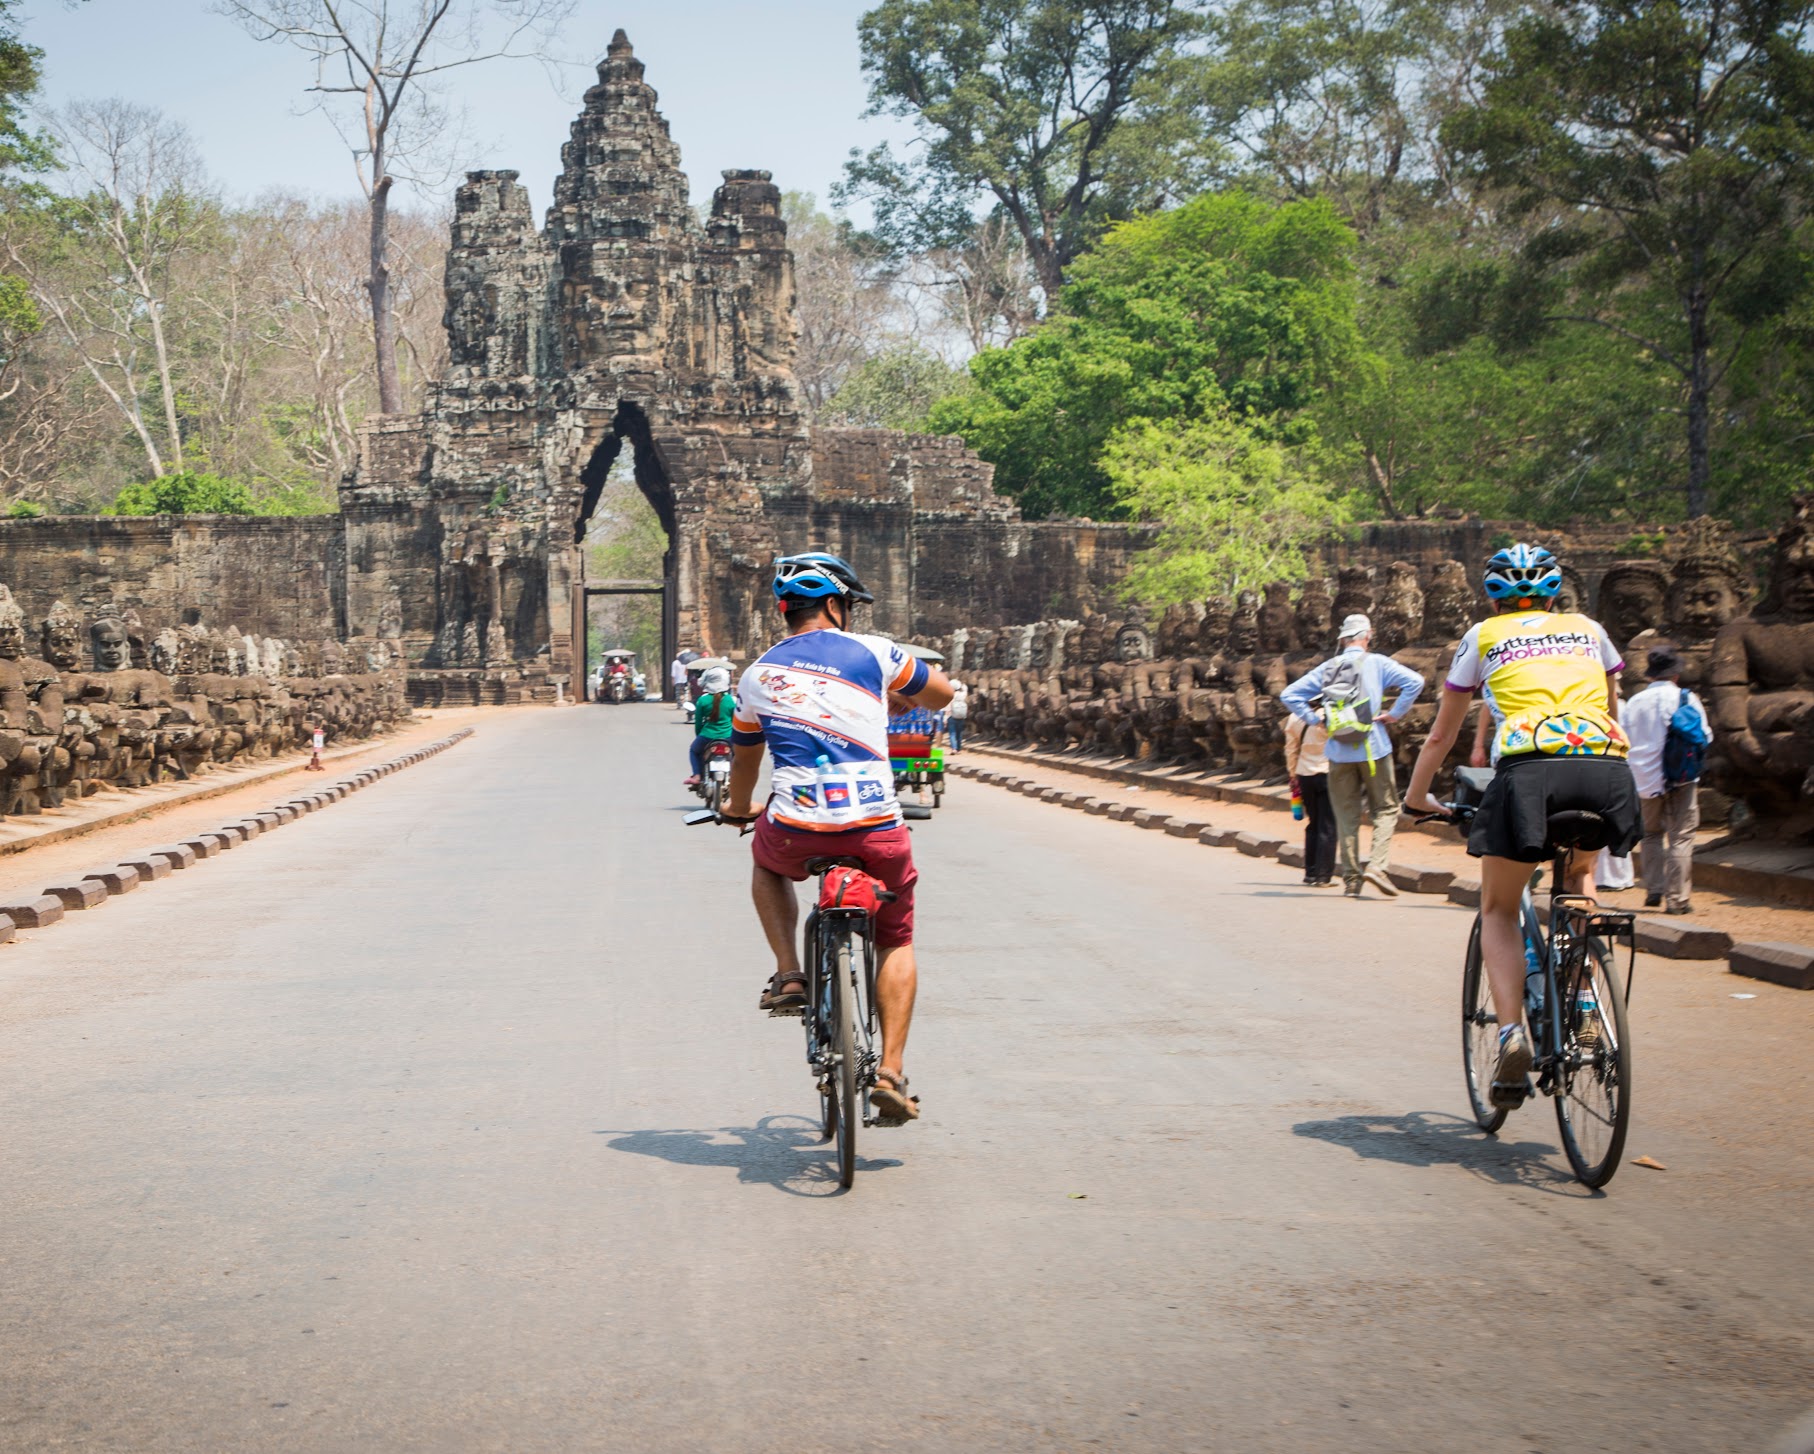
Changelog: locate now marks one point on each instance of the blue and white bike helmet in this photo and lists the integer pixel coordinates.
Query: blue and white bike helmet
(1523, 573)
(817, 575)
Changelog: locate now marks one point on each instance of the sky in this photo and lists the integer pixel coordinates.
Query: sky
(743, 83)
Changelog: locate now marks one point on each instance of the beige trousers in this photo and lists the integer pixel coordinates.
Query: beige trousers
(1668, 848)
(1356, 793)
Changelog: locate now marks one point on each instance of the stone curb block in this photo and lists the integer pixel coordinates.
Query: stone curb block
(1083, 802)
(1257, 845)
(83, 895)
(1185, 829)
(152, 866)
(204, 845)
(1148, 818)
(1123, 812)
(1051, 795)
(1100, 809)
(1415, 880)
(1681, 939)
(1465, 891)
(249, 828)
(177, 855)
(38, 913)
(1789, 965)
(1213, 837)
(1292, 855)
(122, 878)
(7, 929)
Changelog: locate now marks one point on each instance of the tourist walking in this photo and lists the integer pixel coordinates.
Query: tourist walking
(1668, 729)
(1308, 765)
(956, 715)
(1362, 784)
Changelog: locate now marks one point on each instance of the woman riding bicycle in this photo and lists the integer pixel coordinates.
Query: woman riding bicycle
(1553, 676)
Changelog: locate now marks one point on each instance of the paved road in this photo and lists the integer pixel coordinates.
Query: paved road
(443, 1121)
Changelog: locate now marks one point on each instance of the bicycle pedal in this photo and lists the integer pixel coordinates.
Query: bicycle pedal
(795, 1013)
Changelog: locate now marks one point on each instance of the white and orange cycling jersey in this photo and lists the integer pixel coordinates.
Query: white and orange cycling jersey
(1546, 671)
(825, 694)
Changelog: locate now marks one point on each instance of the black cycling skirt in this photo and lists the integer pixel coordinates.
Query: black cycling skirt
(1513, 821)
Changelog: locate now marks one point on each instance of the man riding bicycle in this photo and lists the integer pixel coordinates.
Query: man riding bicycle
(819, 702)
(1552, 677)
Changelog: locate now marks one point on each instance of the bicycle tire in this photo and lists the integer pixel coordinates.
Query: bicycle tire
(844, 1073)
(714, 795)
(1479, 1036)
(1593, 1105)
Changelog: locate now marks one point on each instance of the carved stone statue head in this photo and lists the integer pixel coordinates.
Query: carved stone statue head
(1398, 618)
(1448, 605)
(1353, 592)
(1212, 631)
(62, 638)
(1573, 595)
(1132, 643)
(138, 640)
(1177, 631)
(1039, 646)
(1316, 611)
(1707, 585)
(107, 641)
(1244, 625)
(12, 627)
(1632, 598)
(166, 652)
(1791, 595)
(1073, 644)
(192, 650)
(1278, 623)
(1094, 647)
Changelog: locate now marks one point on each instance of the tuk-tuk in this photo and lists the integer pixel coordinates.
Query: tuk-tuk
(913, 751)
(617, 676)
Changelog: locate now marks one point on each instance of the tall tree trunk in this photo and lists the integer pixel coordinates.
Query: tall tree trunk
(1699, 390)
(166, 385)
(384, 321)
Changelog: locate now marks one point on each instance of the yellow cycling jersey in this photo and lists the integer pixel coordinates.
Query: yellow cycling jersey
(1546, 671)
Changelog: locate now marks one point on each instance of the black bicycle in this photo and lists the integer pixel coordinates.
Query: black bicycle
(839, 959)
(1574, 1001)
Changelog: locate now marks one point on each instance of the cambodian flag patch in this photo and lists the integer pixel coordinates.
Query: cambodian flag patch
(837, 795)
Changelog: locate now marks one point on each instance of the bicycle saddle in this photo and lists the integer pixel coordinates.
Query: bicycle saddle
(1576, 828)
(820, 865)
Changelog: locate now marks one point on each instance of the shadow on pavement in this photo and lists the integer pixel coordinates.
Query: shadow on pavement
(766, 1154)
(1434, 1138)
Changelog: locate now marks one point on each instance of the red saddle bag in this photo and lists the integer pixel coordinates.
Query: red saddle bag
(851, 888)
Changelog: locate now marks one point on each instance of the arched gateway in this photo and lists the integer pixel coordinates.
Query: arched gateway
(626, 323)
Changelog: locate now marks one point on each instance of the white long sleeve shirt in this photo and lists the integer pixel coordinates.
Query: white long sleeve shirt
(1645, 719)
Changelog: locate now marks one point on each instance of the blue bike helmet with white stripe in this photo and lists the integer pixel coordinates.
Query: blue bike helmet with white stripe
(1523, 574)
(817, 575)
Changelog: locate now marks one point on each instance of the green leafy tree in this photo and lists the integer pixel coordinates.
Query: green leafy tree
(186, 493)
(1235, 507)
(896, 389)
(21, 150)
(1065, 112)
(1227, 303)
(1669, 141)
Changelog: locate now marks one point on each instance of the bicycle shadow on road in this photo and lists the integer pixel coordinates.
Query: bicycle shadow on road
(1436, 1138)
(766, 1154)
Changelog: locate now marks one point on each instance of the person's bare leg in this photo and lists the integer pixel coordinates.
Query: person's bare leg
(897, 983)
(1502, 883)
(775, 907)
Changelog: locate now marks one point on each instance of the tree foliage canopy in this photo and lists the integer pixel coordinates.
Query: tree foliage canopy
(187, 493)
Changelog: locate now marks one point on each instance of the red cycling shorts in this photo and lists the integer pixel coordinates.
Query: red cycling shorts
(886, 854)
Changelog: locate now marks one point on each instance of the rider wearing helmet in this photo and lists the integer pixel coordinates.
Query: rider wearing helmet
(818, 703)
(1552, 677)
(711, 717)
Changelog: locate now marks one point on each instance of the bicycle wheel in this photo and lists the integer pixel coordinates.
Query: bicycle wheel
(1593, 1110)
(844, 1041)
(714, 795)
(1479, 1036)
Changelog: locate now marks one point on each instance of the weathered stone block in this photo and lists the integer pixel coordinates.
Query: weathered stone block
(1465, 891)
(1051, 795)
(83, 894)
(122, 878)
(1680, 938)
(150, 867)
(36, 913)
(7, 929)
(1148, 818)
(1123, 812)
(1258, 845)
(1791, 965)
(178, 855)
(1217, 837)
(248, 828)
(1415, 880)
(1185, 827)
(1292, 855)
(1100, 809)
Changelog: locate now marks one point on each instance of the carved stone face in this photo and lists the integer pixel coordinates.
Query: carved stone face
(1212, 634)
(112, 651)
(1039, 648)
(1073, 645)
(1244, 626)
(1448, 607)
(1278, 625)
(1631, 601)
(63, 641)
(1573, 595)
(1398, 619)
(1133, 644)
(1354, 593)
(1315, 611)
(1701, 604)
(1795, 575)
(12, 634)
(166, 652)
(1094, 646)
(1176, 631)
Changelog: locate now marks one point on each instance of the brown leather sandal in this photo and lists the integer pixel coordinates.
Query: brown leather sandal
(784, 996)
(890, 1102)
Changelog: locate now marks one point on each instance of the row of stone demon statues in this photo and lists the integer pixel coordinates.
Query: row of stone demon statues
(159, 706)
(1201, 685)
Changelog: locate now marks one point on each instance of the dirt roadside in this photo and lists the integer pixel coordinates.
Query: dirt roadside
(1745, 919)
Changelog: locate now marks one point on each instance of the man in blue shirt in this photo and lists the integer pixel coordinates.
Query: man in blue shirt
(1361, 777)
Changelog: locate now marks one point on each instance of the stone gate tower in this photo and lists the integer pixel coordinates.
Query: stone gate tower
(625, 322)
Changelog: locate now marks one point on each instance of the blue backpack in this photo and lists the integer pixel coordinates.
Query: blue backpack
(1685, 745)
